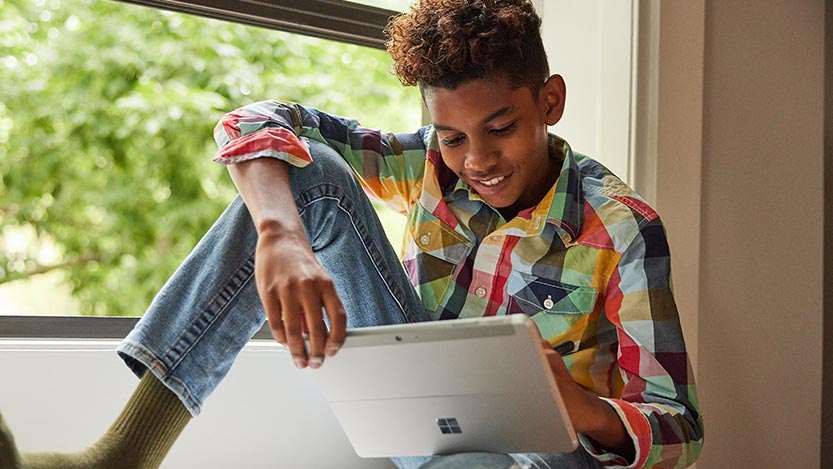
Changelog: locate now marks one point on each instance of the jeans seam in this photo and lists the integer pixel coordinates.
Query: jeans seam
(333, 192)
(209, 315)
(144, 356)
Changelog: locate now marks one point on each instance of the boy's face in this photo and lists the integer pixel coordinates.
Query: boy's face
(495, 138)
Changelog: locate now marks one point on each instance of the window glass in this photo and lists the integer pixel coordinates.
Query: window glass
(396, 5)
(106, 118)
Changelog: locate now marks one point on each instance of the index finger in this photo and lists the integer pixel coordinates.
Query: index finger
(293, 318)
(273, 310)
(338, 320)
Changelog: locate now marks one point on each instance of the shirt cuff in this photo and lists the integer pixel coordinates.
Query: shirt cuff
(271, 142)
(639, 429)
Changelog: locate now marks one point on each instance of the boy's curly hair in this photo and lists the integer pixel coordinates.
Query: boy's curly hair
(445, 43)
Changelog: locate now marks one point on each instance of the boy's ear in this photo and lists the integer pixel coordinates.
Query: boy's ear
(553, 95)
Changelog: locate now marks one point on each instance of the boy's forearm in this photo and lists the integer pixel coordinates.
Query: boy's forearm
(263, 184)
(293, 287)
(597, 420)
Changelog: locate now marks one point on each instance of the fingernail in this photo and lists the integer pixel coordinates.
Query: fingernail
(300, 363)
(315, 362)
(332, 349)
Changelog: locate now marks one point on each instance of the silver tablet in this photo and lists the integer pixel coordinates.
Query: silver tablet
(446, 387)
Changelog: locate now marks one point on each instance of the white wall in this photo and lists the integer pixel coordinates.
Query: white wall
(589, 44)
(63, 395)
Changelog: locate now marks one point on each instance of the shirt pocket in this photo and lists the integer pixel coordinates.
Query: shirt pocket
(542, 295)
(438, 251)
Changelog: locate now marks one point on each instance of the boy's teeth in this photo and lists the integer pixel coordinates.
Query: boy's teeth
(493, 181)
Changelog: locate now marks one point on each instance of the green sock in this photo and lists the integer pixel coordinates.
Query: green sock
(140, 437)
(8, 451)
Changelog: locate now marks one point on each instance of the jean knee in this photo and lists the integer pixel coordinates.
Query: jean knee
(327, 166)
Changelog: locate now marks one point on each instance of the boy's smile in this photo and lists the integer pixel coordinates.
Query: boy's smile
(494, 138)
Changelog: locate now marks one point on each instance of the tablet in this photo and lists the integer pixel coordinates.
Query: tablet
(446, 387)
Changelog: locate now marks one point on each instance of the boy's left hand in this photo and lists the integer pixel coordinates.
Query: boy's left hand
(590, 415)
(556, 361)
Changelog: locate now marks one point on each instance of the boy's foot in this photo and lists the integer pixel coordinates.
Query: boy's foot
(139, 438)
(8, 451)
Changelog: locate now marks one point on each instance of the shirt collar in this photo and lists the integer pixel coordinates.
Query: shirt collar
(565, 199)
(560, 207)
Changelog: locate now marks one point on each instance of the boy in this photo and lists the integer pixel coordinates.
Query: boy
(503, 219)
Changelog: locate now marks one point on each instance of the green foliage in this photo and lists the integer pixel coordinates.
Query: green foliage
(106, 118)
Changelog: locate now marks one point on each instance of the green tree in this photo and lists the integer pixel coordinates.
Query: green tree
(106, 118)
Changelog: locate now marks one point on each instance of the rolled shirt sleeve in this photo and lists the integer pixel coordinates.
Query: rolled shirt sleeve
(389, 166)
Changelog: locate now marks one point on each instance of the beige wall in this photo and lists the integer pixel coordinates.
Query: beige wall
(827, 334)
(679, 129)
(748, 232)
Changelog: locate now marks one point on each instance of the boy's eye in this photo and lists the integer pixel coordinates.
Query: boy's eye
(504, 130)
(452, 142)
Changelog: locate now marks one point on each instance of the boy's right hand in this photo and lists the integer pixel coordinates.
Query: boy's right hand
(294, 288)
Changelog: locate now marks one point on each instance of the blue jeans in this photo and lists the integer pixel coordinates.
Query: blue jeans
(209, 309)
(578, 459)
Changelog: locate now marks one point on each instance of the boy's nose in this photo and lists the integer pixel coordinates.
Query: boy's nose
(480, 158)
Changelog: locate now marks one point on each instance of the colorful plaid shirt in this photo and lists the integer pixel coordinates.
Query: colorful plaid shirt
(589, 264)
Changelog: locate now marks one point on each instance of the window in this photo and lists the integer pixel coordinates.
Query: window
(105, 139)
(397, 5)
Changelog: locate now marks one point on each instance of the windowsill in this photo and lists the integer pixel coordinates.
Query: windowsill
(77, 327)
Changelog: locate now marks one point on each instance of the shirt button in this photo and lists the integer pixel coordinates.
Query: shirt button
(548, 303)
(494, 238)
(425, 239)
(480, 292)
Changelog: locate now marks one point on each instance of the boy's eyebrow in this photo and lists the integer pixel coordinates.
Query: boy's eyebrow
(500, 112)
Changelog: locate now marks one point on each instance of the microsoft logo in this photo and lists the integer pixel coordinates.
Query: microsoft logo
(449, 425)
